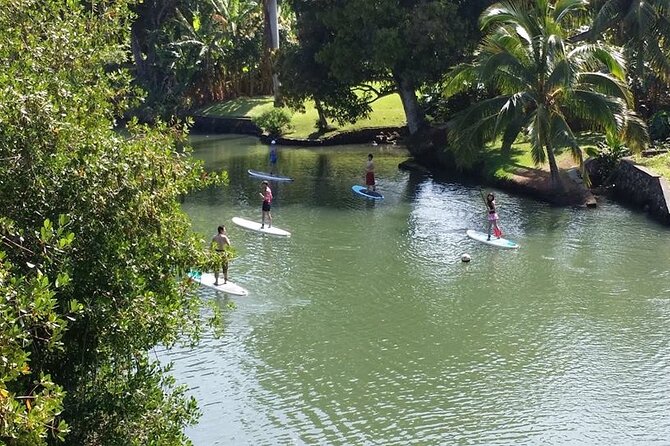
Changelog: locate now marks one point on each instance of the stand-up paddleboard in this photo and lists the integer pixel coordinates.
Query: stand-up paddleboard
(256, 226)
(207, 279)
(499, 242)
(363, 192)
(268, 176)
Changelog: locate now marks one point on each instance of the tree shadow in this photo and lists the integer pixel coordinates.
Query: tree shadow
(505, 161)
(321, 132)
(238, 107)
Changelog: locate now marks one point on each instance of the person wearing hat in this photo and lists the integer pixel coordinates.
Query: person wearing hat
(266, 195)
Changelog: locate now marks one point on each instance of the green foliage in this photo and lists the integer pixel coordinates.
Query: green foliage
(543, 82)
(642, 28)
(384, 46)
(659, 126)
(85, 299)
(274, 122)
(30, 319)
(191, 52)
(607, 158)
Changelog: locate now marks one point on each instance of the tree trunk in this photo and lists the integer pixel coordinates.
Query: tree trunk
(556, 181)
(272, 26)
(323, 122)
(413, 113)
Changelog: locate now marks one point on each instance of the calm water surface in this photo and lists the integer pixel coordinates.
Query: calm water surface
(365, 327)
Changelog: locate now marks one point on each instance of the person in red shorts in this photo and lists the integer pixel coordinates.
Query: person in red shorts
(370, 174)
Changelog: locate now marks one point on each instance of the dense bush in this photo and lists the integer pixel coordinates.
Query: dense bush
(274, 122)
(607, 159)
(84, 300)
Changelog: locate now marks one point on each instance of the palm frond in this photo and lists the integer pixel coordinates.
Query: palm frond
(595, 57)
(608, 15)
(504, 71)
(640, 18)
(605, 84)
(517, 14)
(459, 79)
(601, 111)
(635, 133)
(555, 49)
(477, 124)
(510, 111)
(658, 59)
(563, 8)
(512, 130)
(562, 75)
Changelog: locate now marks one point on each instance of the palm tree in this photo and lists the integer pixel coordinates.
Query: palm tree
(642, 27)
(543, 83)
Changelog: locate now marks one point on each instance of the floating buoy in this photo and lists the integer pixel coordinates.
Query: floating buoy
(465, 258)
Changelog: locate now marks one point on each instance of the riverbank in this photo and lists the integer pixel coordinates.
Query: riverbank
(513, 172)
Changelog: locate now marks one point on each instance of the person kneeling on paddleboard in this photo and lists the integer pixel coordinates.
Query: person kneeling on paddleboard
(492, 216)
(266, 195)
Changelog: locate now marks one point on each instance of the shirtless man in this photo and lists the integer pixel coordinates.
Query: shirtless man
(370, 174)
(219, 243)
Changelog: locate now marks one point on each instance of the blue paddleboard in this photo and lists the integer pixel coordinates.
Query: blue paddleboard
(268, 176)
(363, 192)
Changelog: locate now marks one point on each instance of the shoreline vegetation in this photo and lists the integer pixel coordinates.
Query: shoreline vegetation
(513, 170)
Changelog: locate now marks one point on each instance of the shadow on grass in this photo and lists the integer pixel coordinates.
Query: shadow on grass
(321, 132)
(499, 161)
(236, 108)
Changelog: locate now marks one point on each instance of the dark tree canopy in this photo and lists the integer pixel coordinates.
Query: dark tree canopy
(390, 45)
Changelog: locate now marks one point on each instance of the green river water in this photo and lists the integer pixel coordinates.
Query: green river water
(366, 328)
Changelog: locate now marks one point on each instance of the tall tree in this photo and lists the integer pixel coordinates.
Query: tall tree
(544, 82)
(272, 21)
(93, 241)
(388, 45)
(642, 27)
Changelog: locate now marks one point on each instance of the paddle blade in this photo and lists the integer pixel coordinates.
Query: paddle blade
(497, 232)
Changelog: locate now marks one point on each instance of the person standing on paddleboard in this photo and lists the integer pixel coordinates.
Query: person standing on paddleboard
(273, 156)
(492, 216)
(219, 243)
(370, 174)
(266, 195)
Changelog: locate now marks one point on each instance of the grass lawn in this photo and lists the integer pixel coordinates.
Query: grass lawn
(386, 112)
(659, 163)
(502, 166)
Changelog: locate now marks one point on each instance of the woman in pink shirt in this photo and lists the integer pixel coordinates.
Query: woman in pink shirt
(266, 195)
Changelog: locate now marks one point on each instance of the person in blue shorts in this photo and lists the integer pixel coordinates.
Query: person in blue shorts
(273, 156)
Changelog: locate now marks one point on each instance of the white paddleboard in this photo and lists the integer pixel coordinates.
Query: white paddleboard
(268, 176)
(207, 279)
(498, 242)
(256, 226)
